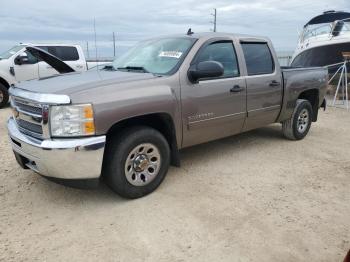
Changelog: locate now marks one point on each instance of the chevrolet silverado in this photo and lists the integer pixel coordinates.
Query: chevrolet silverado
(128, 121)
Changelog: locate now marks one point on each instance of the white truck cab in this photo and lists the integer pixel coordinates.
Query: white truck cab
(17, 64)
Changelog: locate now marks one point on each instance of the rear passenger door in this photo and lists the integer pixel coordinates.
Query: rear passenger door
(68, 54)
(264, 85)
(45, 69)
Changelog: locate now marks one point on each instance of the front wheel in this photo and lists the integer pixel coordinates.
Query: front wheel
(4, 95)
(136, 162)
(298, 126)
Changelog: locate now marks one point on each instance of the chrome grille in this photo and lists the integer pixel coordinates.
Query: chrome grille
(28, 116)
(28, 108)
(30, 126)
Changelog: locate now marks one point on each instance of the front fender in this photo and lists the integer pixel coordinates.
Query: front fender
(7, 78)
(116, 102)
(132, 103)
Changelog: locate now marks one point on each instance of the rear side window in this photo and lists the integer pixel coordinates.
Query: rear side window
(258, 58)
(65, 53)
(222, 52)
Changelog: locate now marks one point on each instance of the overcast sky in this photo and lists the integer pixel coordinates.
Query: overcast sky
(41, 21)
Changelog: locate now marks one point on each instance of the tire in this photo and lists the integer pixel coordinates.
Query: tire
(4, 95)
(133, 172)
(298, 126)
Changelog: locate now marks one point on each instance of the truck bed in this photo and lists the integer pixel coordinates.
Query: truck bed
(294, 82)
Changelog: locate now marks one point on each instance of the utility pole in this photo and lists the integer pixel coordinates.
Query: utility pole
(95, 43)
(87, 49)
(214, 22)
(113, 44)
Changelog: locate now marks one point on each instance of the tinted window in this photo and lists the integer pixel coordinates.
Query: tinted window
(222, 52)
(258, 58)
(65, 53)
(31, 59)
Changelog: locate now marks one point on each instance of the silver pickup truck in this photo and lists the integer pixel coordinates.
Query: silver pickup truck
(126, 122)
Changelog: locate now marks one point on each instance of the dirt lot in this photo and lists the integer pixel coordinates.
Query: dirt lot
(253, 197)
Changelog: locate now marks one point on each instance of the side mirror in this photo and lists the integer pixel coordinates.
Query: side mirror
(206, 69)
(21, 59)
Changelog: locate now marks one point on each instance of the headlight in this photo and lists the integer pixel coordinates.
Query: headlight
(74, 120)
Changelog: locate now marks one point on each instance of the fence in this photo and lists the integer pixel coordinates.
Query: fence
(284, 60)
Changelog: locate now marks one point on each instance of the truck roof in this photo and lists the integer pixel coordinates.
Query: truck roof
(208, 35)
(43, 44)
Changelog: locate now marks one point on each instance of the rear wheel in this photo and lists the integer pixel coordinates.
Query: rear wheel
(136, 162)
(4, 96)
(298, 126)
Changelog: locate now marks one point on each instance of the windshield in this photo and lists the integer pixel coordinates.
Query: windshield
(346, 28)
(316, 30)
(11, 52)
(159, 56)
(325, 29)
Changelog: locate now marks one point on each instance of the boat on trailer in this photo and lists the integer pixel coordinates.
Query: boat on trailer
(323, 41)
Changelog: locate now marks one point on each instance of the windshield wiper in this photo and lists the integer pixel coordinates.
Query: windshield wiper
(134, 68)
(108, 68)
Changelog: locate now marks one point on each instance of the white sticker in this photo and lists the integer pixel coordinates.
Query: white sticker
(174, 54)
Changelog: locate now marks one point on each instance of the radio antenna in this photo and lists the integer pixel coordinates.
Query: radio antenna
(189, 32)
(95, 43)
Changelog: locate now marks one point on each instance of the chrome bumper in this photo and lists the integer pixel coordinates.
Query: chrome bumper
(76, 158)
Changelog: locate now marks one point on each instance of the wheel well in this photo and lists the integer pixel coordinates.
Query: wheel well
(312, 95)
(4, 82)
(160, 121)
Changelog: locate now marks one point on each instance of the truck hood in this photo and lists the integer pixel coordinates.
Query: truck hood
(79, 81)
(4, 61)
(73, 82)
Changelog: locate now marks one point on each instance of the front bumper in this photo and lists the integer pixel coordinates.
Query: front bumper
(75, 158)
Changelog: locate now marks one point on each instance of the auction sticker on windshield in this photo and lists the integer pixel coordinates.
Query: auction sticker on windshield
(174, 54)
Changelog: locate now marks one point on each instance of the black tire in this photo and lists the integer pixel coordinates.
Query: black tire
(290, 127)
(4, 95)
(116, 157)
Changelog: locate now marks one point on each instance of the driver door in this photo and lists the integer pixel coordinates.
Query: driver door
(214, 108)
(26, 67)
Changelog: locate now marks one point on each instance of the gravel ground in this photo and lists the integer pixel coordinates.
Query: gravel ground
(252, 197)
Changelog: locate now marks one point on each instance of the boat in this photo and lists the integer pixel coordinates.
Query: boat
(323, 41)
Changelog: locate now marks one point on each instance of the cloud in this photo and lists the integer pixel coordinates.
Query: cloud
(72, 21)
(261, 6)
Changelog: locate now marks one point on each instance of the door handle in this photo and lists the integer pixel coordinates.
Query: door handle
(236, 89)
(274, 83)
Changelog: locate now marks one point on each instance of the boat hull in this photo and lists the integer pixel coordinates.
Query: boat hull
(324, 55)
